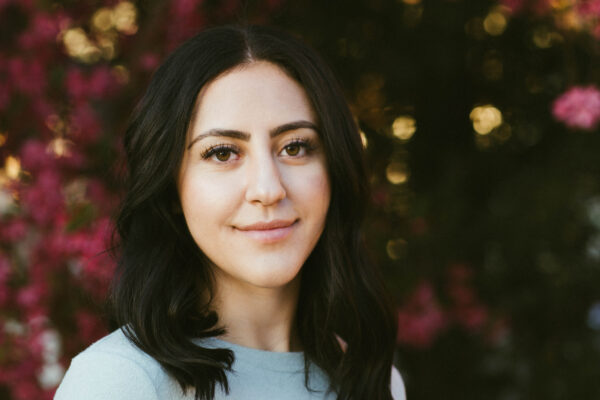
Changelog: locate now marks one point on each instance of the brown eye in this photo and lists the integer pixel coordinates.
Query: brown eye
(223, 155)
(292, 149)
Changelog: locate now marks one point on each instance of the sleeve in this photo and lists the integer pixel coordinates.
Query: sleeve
(105, 376)
(397, 385)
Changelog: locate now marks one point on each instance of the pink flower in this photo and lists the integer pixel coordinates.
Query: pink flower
(149, 61)
(578, 107)
(76, 83)
(30, 296)
(43, 29)
(589, 8)
(27, 76)
(188, 20)
(102, 82)
(44, 199)
(13, 230)
(35, 157)
(514, 6)
(466, 309)
(89, 327)
(472, 317)
(51, 251)
(42, 108)
(100, 197)
(421, 319)
(97, 266)
(25, 389)
(184, 7)
(73, 158)
(538, 7)
(84, 123)
(5, 271)
(99, 84)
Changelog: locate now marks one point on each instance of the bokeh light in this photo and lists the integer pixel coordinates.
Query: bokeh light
(60, 147)
(12, 167)
(494, 23)
(102, 19)
(106, 23)
(396, 248)
(79, 46)
(121, 73)
(485, 119)
(74, 70)
(56, 124)
(404, 127)
(124, 17)
(397, 172)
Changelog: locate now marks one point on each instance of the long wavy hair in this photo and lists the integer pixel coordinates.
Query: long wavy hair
(161, 271)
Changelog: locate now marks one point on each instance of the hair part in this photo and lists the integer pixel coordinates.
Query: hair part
(163, 286)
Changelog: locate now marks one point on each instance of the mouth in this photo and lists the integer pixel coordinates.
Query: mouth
(268, 231)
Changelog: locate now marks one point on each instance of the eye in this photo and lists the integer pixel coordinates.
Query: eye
(220, 153)
(292, 149)
(223, 155)
(298, 148)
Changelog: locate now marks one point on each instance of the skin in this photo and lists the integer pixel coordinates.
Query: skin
(254, 156)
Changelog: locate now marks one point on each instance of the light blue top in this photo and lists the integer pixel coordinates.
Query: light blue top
(115, 369)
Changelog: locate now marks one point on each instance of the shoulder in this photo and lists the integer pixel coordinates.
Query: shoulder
(397, 385)
(112, 368)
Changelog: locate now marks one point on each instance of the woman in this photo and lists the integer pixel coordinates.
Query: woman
(241, 268)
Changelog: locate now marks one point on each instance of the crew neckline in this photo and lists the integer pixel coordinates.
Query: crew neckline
(291, 361)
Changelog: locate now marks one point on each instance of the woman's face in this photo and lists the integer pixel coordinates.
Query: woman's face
(253, 181)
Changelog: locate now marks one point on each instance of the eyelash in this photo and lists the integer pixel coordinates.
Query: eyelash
(307, 144)
(212, 150)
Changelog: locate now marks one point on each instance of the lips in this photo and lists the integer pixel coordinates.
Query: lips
(268, 231)
(264, 226)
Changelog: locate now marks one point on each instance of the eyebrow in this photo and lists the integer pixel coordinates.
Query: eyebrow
(235, 134)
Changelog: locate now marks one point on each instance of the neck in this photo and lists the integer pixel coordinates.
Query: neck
(260, 318)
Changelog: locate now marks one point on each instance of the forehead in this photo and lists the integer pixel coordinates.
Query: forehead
(250, 93)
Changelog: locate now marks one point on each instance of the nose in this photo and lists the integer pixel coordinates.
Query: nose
(265, 186)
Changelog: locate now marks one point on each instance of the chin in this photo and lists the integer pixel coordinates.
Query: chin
(273, 276)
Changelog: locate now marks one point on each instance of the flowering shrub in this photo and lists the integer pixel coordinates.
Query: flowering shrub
(70, 74)
(68, 78)
(423, 316)
(568, 15)
(578, 107)
(421, 319)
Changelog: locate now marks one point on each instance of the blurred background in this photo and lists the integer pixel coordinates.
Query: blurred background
(480, 120)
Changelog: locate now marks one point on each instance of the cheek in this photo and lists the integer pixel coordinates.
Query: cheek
(313, 189)
(206, 199)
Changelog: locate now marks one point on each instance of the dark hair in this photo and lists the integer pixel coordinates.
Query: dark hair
(161, 270)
